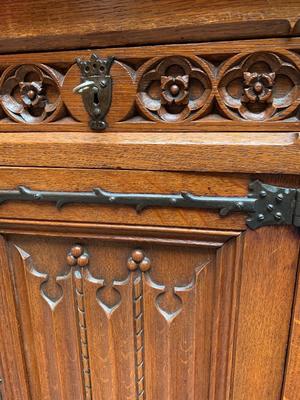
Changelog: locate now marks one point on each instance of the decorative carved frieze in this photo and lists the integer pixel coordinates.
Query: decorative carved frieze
(215, 89)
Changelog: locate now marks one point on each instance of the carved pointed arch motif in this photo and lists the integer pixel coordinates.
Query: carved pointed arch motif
(143, 313)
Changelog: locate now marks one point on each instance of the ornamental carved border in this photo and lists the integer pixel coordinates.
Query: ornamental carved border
(215, 90)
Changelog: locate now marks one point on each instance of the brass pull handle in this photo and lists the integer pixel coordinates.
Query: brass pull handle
(96, 89)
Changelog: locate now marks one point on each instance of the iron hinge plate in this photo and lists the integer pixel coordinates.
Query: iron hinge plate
(274, 205)
(296, 221)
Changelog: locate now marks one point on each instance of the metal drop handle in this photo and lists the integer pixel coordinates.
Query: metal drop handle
(95, 89)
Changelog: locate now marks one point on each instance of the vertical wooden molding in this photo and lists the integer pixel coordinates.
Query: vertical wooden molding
(79, 259)
(138, 313)
(139, 264)
(291, 387)
(83, 334)
(267, 289)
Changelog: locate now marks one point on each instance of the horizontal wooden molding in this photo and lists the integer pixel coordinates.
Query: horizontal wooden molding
(102, 24)
(241, 152)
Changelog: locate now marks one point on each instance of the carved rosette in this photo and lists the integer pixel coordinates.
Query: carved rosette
(174, 89)
(259, 87)
(31, 93)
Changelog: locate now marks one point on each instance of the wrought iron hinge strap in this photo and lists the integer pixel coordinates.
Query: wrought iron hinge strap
(265, 204)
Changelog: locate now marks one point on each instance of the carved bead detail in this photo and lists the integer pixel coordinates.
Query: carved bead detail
(174, 88)
(81, 311)
(71, 260)
(138, 261)
(31, 93)
(145, 264)
(77, 256)
(77, 250)
(131, 264)
(83, 260)
(137, 256)
(259, 87)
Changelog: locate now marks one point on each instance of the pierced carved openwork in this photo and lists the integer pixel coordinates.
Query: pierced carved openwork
(200, 88)
(31, 93)
(260, 86)
(174, 89)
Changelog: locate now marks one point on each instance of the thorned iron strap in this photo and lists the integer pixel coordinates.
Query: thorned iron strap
(265, 204)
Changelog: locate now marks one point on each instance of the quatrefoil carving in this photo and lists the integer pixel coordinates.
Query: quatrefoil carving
(174, 89)
(259, 87)
(31, 93)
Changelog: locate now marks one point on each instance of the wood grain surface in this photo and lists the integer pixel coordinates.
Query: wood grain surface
(261, 152)
(292, 382)
(266, 298)
(98, 301)
(77, 23)
(125, 181)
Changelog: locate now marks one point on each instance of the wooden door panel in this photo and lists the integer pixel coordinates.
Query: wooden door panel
(12, 366)
(265, 309)
(166, 316)
(48, 318)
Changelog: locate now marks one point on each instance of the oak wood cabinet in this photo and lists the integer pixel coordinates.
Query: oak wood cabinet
(166, 301)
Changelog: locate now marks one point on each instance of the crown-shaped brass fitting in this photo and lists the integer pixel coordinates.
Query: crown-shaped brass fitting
(96, 66)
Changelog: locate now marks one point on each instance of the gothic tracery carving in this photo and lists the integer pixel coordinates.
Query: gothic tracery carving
(250, 86)
(260, 86)
(174, 89)
(31, 93)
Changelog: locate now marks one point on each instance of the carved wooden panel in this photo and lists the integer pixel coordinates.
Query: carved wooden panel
(131, 317)
(48, 315)
(221, 86)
